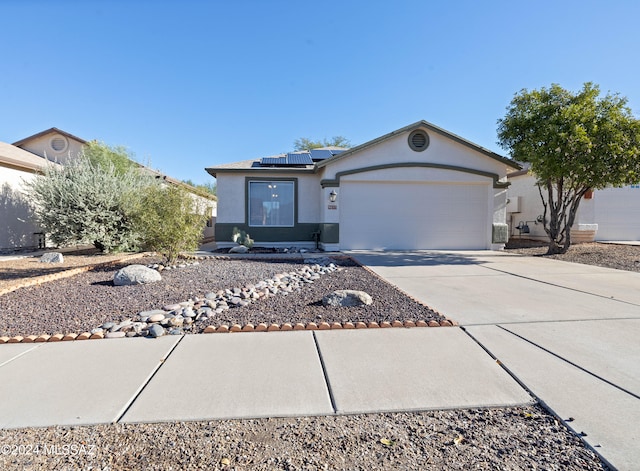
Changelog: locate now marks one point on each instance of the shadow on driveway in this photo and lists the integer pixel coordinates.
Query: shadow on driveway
(413, 258)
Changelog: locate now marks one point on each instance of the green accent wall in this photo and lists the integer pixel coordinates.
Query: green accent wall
(330, 233)
(301, 232)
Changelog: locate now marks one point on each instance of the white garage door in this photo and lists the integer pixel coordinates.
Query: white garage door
(617, 212)
(413, 215)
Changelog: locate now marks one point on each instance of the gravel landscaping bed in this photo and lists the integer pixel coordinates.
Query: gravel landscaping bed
(520, 438)
(83, 302)
(618, 256)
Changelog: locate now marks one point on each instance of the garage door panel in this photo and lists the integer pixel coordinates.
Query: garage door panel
(409, 215)
(617, 212)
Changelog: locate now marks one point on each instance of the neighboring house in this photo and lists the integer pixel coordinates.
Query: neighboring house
(611, 214)
(28, 156)
(53, 144)
(419, 187)
(18, 229)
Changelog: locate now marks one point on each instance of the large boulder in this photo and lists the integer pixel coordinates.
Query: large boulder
(239, 249)
(347, 298)
(135, 275)
(52, 257)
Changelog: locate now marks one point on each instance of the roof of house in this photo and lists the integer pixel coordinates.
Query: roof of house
(525, 169)
(15, 157)
(269, 164)
(161, 176)
(297, 161)
(49, 131)
(431, 127)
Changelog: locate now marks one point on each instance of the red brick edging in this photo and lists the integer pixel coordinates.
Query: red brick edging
(245, 328)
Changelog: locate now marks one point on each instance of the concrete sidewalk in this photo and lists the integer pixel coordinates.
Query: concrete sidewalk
(248, 375)
(568, 332)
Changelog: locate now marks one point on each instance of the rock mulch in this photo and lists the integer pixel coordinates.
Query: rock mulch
(489, 439)
(225, 295)
(618, 256)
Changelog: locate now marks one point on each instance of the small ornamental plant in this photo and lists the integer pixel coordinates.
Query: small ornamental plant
(241, 238)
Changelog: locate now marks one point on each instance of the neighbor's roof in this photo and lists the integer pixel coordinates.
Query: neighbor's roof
(15, 157)
(161, 176)
(49, 131)
(430, 127)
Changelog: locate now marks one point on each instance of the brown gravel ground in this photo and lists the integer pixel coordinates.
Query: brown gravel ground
(522, 438)
(618, 256)
(80, 303)
(516, 438)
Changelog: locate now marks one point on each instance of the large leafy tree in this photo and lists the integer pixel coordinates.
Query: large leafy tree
(573, 142)
(305, 143)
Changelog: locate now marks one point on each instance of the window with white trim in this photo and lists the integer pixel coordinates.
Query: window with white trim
(271, 203)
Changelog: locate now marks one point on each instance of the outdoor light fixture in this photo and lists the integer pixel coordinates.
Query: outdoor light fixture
(333, 196)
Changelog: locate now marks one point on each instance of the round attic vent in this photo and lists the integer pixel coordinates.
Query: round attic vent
(418, 140)
(58, 143)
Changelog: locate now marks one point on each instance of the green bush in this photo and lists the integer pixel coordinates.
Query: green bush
(169, 220)
(87, 203)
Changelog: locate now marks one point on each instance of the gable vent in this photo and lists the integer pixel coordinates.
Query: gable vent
(58, 143)
(418, 140)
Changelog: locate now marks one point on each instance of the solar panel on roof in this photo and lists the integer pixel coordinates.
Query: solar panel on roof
(336, 151)
(299, 159)
(291, 159)
(320, 154)
(273, 161)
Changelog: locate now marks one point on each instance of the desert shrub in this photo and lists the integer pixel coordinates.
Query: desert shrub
(169, 220)
(87, 203)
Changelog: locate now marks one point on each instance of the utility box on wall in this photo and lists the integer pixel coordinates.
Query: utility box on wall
(513, 204)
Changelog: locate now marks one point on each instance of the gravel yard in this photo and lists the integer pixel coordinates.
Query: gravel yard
(501, 439)
(618, 256)
(489, 439)
(83, 302)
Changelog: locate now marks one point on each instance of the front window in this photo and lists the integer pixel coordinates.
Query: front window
(271, 203)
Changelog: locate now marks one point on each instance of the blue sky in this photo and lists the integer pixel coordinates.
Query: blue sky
(190, 84)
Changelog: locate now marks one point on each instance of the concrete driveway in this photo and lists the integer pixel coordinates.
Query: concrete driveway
(569, 333)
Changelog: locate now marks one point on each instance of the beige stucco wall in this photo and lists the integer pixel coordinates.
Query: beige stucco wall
(442, 150)
(42, 146)
(525, 198)
(211, 208)
(17, 226)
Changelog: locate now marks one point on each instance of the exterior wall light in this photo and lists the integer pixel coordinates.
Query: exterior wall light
(333, 196)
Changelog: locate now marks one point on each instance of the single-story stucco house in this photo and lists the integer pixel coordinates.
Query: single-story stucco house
(610, 214)
(419, 187)
(20, 161)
